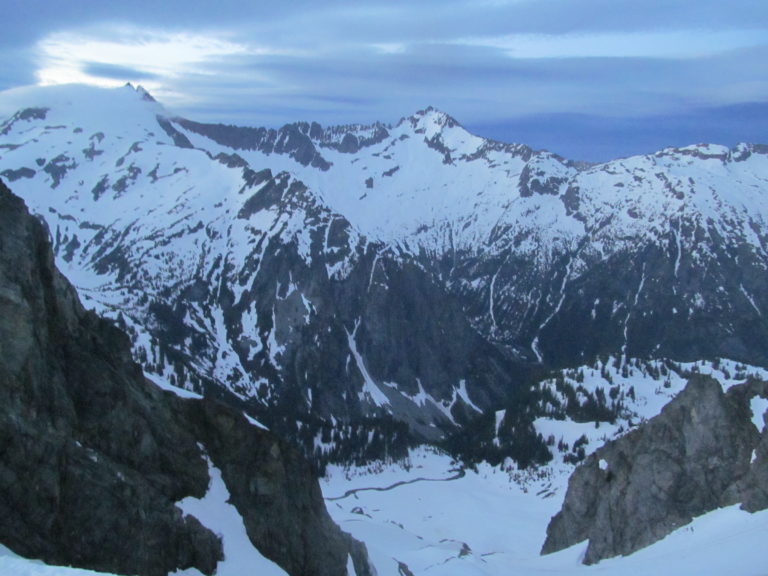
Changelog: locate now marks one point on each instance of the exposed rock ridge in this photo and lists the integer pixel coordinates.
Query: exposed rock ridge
(25, 114)
(95, 457)
(274, 490)
(702, 452)
(290, 140)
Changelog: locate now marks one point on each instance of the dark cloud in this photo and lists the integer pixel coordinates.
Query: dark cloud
(591, 109)
(27, 20)
(17, 67)
(116, 72)
(446, 20)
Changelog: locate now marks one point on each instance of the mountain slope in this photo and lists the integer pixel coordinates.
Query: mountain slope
(535, 245)
(247, 279)
(335, 275)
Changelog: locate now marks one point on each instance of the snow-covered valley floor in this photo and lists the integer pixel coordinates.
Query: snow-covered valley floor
(431, 520)
(485, 523)
(493, 522)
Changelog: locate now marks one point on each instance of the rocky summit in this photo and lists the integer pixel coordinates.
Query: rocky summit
(95, 458)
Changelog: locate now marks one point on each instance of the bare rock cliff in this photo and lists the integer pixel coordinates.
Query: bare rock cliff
(702, 452)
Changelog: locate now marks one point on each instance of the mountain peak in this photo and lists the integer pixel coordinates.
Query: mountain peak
(430, 121)
(431, 111)
(141, 91)
(124, 110)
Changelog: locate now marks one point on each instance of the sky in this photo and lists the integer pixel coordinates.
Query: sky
(588, 79)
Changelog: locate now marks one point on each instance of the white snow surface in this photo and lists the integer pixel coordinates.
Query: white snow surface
(371, 391)
(14, 565)
(418, 196)
(759, 407)
(491, 522)
(426, 524)
(165, 385)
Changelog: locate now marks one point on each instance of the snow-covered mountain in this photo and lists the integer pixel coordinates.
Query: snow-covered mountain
(646, 252)
(330, 275)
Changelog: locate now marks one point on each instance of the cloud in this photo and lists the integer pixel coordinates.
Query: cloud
(385, 21)
(117, 72)
(646, 44)
(363, 76)
(486, 63)
(16, 67)
(598, 138)
(129, 53)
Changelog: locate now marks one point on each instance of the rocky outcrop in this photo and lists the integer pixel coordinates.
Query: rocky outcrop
(292, 140)
(95, 457)
(702, 452)
(273, 488)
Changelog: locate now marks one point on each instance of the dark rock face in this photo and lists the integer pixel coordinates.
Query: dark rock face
(348, 139)
(754, 488)
(13, 175)
(406, 329)
(291, 140)
(94, 457)
(694, 457)
(300, 141)
(533, 181)
(26, 114)
(274, 490)
(178, 138)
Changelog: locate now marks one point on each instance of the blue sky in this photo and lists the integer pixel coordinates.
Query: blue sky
(589, 79)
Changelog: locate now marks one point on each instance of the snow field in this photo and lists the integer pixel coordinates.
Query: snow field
(492, 522)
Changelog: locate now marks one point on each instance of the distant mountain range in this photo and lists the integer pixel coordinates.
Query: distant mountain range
(364, 285)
